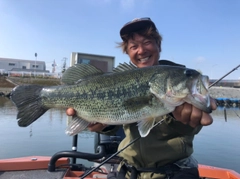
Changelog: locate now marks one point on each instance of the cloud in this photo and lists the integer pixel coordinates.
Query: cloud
(200, 59)
(127, 4)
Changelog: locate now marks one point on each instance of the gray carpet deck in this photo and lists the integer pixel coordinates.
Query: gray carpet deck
(33, 174)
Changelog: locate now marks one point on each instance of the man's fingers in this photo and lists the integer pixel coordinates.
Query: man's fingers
(185, 113)
(196, 116)
(70, 112)
(213, 103)
(206, 119)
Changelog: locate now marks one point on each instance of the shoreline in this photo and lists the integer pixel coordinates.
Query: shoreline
(224, 92)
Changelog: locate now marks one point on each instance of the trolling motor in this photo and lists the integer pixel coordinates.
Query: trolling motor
(110, 143)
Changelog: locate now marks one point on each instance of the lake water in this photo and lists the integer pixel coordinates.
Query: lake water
(217, 145)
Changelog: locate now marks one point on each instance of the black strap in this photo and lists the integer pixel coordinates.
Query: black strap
(122, 172)
(124, 169)
(168, 170)
(134, 173)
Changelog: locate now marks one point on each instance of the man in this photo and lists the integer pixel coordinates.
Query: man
(166, 151)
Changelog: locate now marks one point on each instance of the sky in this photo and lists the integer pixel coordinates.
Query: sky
(201, 34)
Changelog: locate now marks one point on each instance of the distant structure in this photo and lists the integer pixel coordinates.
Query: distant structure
(19, 65)
(53, 66)
(64, 66)
(104, 63)
(226, 83)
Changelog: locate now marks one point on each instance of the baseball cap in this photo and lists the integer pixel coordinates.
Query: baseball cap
(137, 24)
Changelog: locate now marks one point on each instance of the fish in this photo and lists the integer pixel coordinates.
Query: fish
(126, 95)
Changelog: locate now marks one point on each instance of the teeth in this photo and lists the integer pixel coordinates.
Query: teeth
(144, 59)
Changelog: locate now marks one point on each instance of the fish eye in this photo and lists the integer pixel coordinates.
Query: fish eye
(189, 72)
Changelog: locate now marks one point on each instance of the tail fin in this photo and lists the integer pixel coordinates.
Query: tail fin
(28, 101)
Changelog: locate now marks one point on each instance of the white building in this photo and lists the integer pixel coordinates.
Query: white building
(18, 65)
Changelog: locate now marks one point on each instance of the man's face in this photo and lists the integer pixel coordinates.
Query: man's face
(143, 51)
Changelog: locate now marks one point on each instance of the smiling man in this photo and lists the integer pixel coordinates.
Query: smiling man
(166, 152)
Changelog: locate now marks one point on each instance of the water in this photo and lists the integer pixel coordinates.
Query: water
(217, 145)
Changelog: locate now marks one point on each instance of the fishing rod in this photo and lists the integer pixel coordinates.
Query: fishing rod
(224, 76)
(113, 155)
(225, 112)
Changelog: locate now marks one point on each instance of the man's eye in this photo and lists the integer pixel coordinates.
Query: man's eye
(147, 42)
(133, 47)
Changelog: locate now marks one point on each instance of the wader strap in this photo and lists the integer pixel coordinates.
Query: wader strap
(134, 173)
(168, 170)
(123, 171)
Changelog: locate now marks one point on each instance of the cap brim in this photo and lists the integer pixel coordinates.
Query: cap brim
(136, 26)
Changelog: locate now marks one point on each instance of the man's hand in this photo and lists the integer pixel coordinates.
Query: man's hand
(97, 127)
(188, 114)
(70, 112)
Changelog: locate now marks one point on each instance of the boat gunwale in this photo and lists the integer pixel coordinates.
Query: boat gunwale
(41, 162)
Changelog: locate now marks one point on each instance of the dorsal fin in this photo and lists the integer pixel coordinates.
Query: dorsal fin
(79, 72)
(124, 67)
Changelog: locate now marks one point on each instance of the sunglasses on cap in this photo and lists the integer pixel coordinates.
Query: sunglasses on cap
(136, 25)
(138, 19)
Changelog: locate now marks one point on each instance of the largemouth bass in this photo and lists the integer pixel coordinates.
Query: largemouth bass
(127, 95)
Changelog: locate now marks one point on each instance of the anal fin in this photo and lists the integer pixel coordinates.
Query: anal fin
(76, 126)
(144, 126)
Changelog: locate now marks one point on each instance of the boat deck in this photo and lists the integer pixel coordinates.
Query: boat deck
(37, 167)
(33, 174)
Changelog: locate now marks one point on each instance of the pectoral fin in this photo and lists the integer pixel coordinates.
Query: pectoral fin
(144, 126)
(76, 126)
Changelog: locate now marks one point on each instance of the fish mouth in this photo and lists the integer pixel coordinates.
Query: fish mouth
(200, 96)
